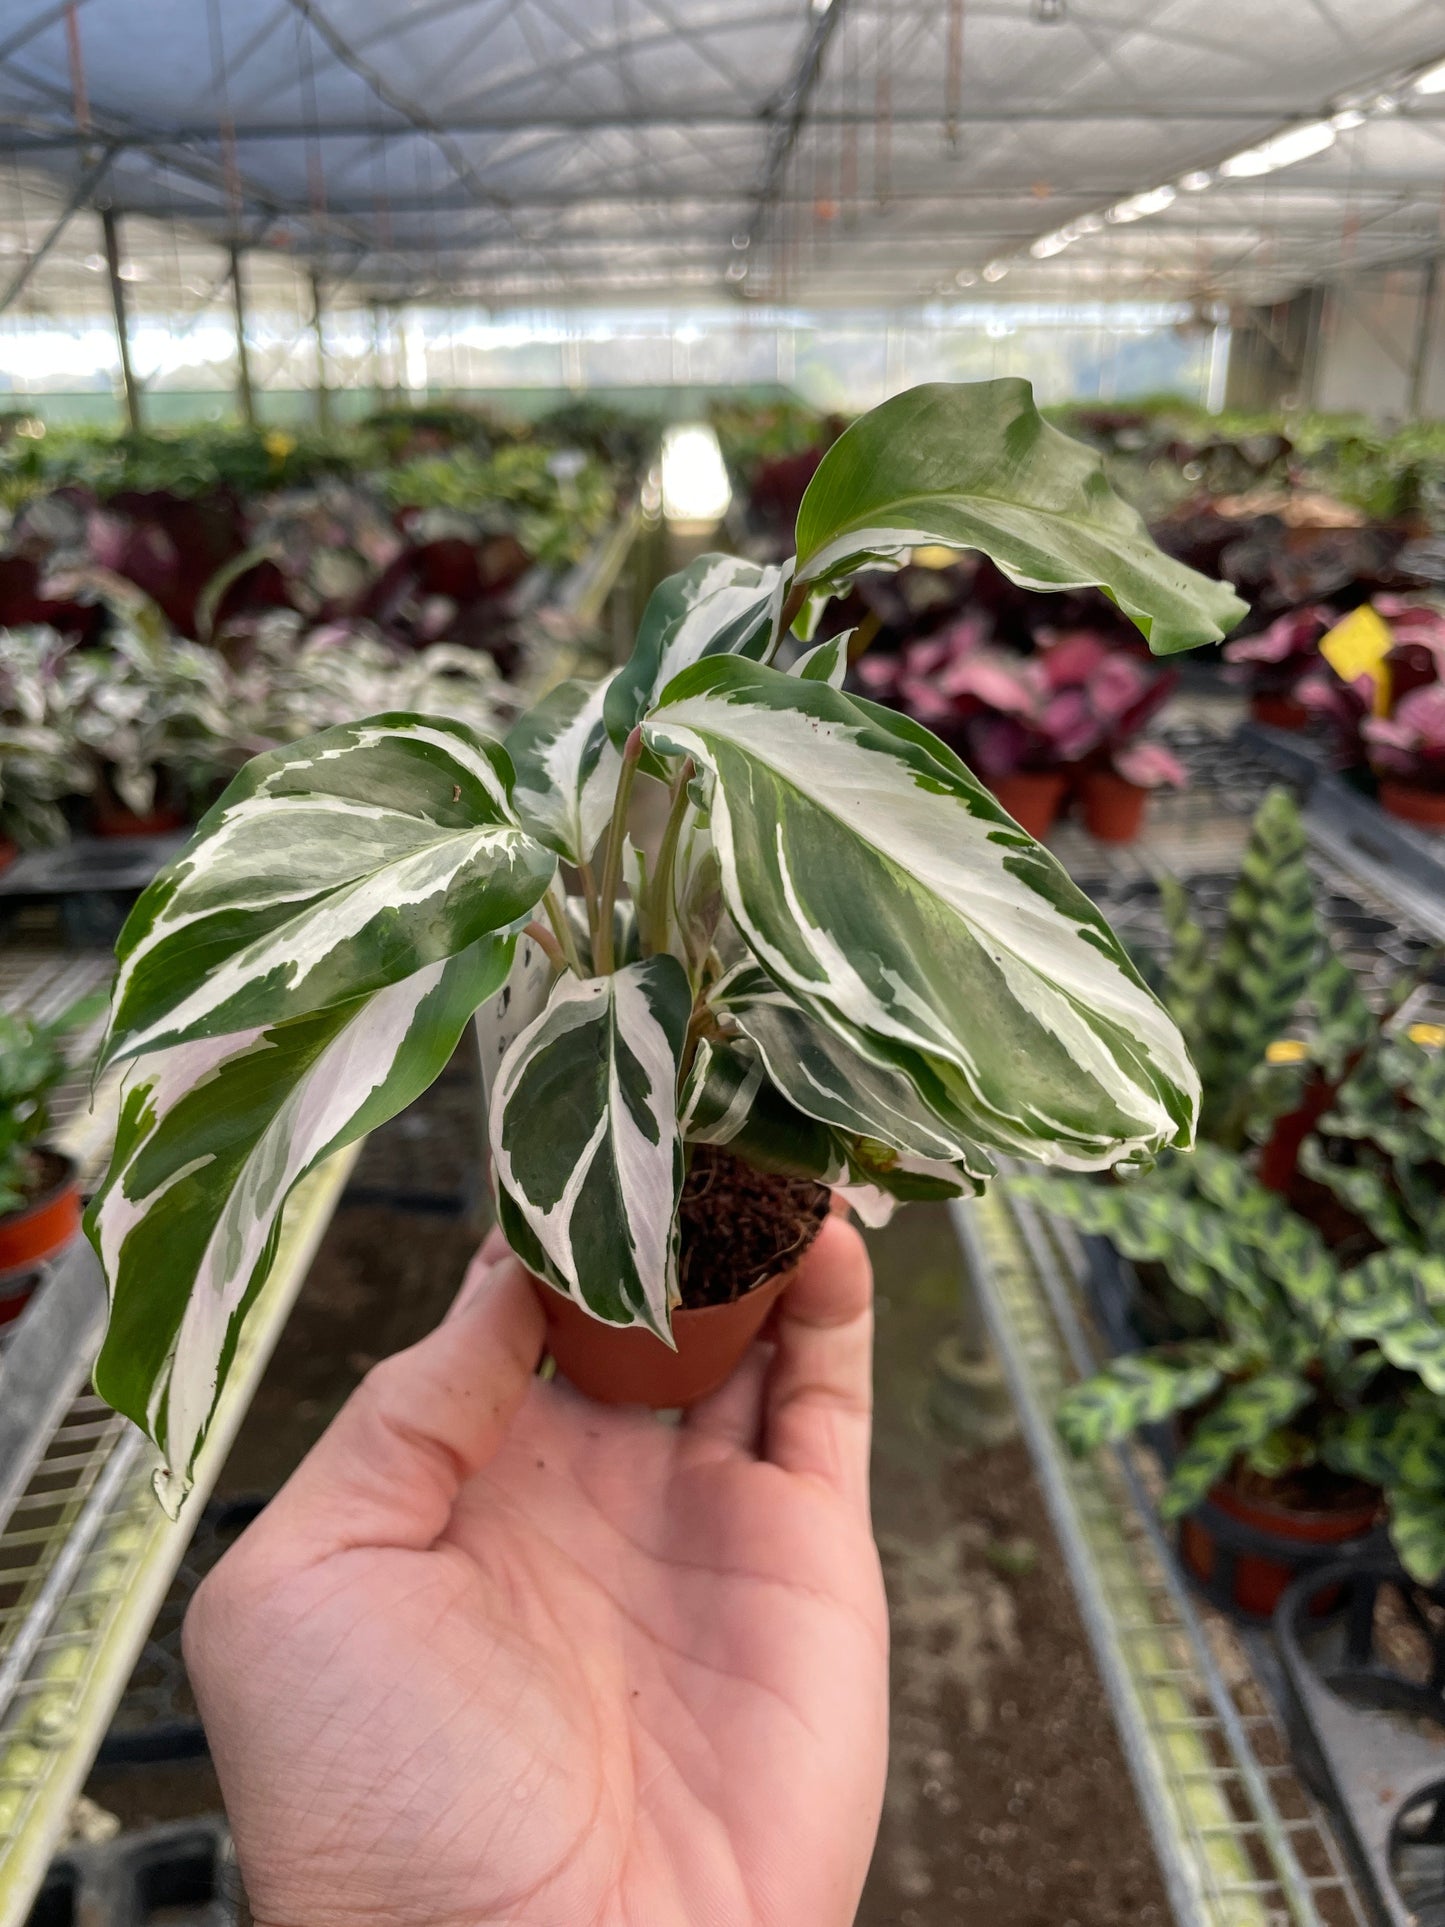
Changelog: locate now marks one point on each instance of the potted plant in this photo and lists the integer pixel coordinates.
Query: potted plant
(842, 963)
(1277, 659)
(1407, 753)
(39, 1186)
(1378, 696)
(1312, 1262)
(39, 764)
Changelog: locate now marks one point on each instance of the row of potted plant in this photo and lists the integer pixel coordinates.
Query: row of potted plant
(1068, 720)
(1290, 1267)
(1374, 680)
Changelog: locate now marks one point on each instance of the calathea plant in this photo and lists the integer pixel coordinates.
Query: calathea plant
(841, 959)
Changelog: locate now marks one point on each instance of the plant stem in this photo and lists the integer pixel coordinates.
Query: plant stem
(797, 596)
(612, 855)
(660, 909)
(543, 937)
(589, 891)
(562, 929)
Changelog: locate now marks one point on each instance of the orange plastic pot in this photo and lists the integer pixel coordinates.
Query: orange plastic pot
(1279, 712)
(112, 819)
(32, 1237)
(8, 852)
(1032, 798)
(1113, 807)
(624, 1365)
(1249, 1575)
(1412, 804)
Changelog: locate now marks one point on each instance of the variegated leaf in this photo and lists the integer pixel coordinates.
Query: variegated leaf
(567, 768)
(328, 869)
(213, 1137)
(586, 1149)
(1243, 1419)
(716, 606)
(973, 465)
(728, 1099)
(1139, 1389)
(825, 661)
(1388, 1300)
(1288, 1247)
(884, 888)
(519, 1001)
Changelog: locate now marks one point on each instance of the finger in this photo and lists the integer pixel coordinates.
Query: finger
(732, 1416)
(388, 1469)
(819, 1401)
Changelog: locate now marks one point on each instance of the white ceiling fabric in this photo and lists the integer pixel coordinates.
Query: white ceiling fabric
(877, 152)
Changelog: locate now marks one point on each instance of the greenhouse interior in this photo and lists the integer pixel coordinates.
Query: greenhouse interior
(722, 963)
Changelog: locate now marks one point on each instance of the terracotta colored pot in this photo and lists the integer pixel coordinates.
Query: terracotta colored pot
(30, 1238)
(624, 1365)
(1425, 808)
(1113, 807)
(113, 819)
(1032, 798)
(1279, 712)
(1239, 1571)
(8, 852)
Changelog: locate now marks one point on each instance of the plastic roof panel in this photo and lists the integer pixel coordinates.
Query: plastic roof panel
(862, 152)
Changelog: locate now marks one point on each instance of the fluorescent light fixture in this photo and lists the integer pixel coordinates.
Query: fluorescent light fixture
(1431, 81)
(1196, 181)
(1347, 119)
(1280, 150)
(1088, 224)
(995, 271)
(1048, 244)
(1139, 205)
(965, 278)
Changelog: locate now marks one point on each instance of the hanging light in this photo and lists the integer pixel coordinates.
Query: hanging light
(1280, 150)
(995, 271)
(1154, 201)
(1196, 180)
(1347, 119)
(1432, 81)
(1050, 244)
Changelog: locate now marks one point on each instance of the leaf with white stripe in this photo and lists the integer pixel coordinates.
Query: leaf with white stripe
(213, 1138)
(566, 768)
(729, 1100)
(586, 1149)
(974, 465)
(825, 661)
(837, 1081)
(717, 605)
(881, 885)
(329, 869)
(520, 1000)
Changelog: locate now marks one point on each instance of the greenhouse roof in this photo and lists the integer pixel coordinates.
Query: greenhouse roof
(859, 152)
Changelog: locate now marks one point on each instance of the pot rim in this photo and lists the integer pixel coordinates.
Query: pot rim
(68, 1180)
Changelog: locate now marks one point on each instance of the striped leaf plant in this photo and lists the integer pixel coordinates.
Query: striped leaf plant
(841, 959)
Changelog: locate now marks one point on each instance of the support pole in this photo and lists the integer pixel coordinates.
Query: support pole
(378, 386)
(110, 228)
(1424, 339)
(318, 329)
(245, 394)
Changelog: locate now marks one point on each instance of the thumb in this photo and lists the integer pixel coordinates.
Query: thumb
(387, 1470)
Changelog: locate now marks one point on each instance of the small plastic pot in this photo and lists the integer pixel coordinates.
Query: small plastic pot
(32, 1237)
(1113, 807)
(113, 819)
(1279, 712)
(1412, 804)
(1033, 798)
(1245, 1551)
(624, 1365)
(8, 852)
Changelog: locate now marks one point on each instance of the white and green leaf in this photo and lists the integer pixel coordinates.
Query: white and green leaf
(586, 1148)
(974, 465)
(566, 768)
(882, 886)
(517, 1002)
(214, 1135)
(717, 605)
(825, 661)
(328, 870)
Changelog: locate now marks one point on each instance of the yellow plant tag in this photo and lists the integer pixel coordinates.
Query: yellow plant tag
(1357, 647)
(1432, 1036)
(931, 555)
(1286, 1050)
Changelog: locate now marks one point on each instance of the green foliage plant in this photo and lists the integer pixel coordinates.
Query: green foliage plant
(841, 958)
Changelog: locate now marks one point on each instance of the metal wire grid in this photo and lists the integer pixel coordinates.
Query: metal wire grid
(1240, 1843)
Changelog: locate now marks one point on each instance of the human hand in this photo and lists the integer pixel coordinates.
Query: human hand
(497, 1654)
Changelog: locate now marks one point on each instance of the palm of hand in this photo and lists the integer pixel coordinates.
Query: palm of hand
(638, 1678)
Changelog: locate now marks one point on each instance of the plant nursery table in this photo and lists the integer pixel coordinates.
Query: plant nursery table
(1240, 1841)
(86, 1554)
